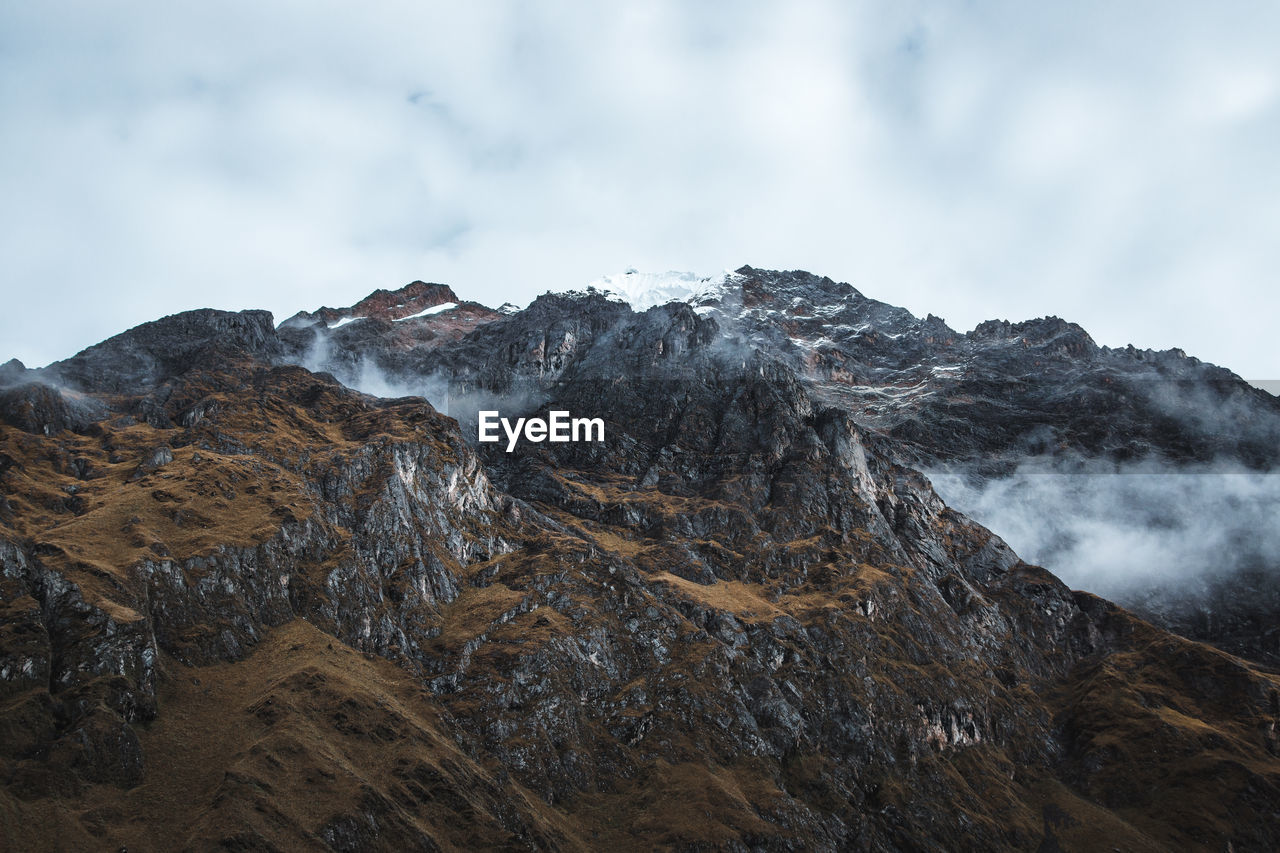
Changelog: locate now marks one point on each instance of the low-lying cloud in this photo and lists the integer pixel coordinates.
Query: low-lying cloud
(365, 375)
(1121, 531)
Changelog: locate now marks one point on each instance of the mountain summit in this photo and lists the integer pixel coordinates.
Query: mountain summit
(261, 592)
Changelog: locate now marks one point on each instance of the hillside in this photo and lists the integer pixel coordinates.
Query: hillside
(249, 607)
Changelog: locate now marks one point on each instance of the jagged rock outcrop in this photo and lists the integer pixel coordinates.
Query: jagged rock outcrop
(12, 371)
(142, 357)
(1037, 395)
(374, 344)
(43, 409)
(1002, 391)
(409, 300)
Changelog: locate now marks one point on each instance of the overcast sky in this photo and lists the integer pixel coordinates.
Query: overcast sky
(1114, 163)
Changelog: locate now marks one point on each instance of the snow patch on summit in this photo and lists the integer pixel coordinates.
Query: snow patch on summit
(427, 312)
(643, 290)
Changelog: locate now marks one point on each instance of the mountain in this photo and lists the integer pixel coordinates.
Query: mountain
(247, 606)
(1018, 423)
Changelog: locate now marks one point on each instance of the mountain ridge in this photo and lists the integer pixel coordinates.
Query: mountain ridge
(746, 621)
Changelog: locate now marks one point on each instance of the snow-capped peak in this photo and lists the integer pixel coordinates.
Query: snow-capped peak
(642, 290)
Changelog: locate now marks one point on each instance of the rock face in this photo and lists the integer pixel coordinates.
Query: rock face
(247, 607)
(1040, 396)
(389, 305)
(981, 406)
(44, 410)
(152, 352)
(1002, 391)
(374, 345)
(12, 371)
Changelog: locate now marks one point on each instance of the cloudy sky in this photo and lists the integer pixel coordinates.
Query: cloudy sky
(1112, 163)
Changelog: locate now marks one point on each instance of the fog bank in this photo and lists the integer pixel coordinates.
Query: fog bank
(1119, 531)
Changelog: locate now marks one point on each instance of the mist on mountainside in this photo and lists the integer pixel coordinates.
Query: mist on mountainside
(367, 377)
(1120, 530)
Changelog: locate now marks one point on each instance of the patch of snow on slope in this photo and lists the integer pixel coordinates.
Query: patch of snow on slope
(434, 309)
(344, 321)
(815, 343)
(642, 290)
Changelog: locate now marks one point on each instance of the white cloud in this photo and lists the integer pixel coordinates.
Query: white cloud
(1110, 163)
(1124, 531)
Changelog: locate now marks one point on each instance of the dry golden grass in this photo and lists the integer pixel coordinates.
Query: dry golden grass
(283, 742)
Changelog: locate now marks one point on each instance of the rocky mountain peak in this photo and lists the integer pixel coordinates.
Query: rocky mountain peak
(772, 288)
(151, 352)
(407, 301)
(389, 305)
(12, 371)
(1071, 337)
